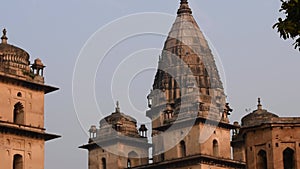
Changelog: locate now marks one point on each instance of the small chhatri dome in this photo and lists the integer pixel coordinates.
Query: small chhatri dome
(38, 62)
(258, 116)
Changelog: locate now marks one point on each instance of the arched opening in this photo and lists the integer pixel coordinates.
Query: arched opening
(128, 163)
(162, 156)
(288, 159)
(215, 148)
(18, 113)
(182, 149)
(19, 94)
(133, 159)
(18, 162)
(103, 163)
(262, 162)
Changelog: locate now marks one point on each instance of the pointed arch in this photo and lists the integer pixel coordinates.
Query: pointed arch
(133, 159)
(18, 115)
(182, 149)
(262, 162)
(103, 161)
(18, 162)
(289, 158)
(215, 148)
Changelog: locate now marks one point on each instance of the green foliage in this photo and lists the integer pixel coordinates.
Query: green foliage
(289, 27)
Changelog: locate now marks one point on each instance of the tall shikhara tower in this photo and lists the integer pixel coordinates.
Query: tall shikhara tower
(189, 114)
(22, 90)
(190, 126)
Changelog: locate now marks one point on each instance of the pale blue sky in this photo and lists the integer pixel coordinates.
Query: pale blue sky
(257, 63)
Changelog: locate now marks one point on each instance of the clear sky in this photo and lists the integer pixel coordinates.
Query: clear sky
(256, 62)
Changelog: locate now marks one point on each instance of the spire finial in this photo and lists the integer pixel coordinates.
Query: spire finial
(117, 107)
(4, 32)
(4, 38)
(184, 8)
(259, 106)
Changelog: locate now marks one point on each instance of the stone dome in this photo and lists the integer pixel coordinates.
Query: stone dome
(38, 62)
(257, 117)
(117, 117)
(120, 123)
(13, 54)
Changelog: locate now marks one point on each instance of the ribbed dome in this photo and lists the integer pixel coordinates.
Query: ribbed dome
(257, 117)
(11, 53)
(118, 122)
(116, 118)
(14, 61)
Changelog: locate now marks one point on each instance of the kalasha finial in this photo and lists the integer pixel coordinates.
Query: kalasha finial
(184, 7)
(259, 106)
(4, 38)
(117, 107)
(4, 32)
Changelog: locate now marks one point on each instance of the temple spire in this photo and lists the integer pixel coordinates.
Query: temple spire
(184, 8)
(4, 37)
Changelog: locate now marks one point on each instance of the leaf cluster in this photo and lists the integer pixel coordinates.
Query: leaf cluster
(289, 27)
